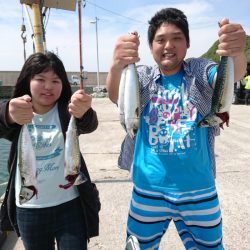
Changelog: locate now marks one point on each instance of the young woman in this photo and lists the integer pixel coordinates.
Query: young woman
(42, 101)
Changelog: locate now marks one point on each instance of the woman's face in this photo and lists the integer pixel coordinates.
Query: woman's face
(45, 88)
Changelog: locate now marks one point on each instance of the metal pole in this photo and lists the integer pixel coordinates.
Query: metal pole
(97, 53)
(80, 43)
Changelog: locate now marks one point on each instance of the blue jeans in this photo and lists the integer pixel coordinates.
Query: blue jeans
(41, 227)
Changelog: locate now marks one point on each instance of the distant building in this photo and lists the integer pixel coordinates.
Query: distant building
(8, 78)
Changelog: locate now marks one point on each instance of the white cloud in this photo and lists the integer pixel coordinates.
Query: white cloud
(62, 33)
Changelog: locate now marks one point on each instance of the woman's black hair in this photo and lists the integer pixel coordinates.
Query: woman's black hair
(171, 16)
(36, 64)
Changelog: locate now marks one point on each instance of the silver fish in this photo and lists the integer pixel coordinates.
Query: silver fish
(27, 166)
(222, 95)
(121, 98)
(129, 100)
(72, 153)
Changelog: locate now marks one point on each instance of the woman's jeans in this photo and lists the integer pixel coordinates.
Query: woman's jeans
(41, 227)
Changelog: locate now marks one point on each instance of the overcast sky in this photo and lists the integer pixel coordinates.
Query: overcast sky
(115, 19)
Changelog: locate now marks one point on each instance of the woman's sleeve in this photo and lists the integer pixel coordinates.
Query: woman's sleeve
(88, 123)
(7, 131)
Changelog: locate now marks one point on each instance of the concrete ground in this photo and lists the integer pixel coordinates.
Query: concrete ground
(101, 148)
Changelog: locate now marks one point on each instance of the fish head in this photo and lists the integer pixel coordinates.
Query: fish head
(210, 121)
(27, 194)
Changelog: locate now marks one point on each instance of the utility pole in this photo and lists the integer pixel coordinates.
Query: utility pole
(80, 42)
(97, 52)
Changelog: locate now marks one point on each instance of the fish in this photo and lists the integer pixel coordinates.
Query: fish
(27, 167)
(129, 100)
(121, 98)
(222, 95)
(132, 101)
(72, 173)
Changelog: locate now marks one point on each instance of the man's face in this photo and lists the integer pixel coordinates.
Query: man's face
(169, 48)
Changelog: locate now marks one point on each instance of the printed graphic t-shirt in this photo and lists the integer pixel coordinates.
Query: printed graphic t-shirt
(48, 143)
(171, 151)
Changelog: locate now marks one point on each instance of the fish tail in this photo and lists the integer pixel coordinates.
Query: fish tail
(74, 179)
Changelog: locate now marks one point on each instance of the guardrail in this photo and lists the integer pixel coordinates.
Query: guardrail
(6, 91)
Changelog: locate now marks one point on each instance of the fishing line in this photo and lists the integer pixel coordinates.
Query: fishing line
(115, 13)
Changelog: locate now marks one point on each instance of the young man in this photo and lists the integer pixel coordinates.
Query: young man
(173, 159)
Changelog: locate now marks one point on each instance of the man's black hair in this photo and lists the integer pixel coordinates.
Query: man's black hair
(171, 16)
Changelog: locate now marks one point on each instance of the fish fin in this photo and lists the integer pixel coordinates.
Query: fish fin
(203, 123)
(71, 179)
(66, 186)
(225, 119)
(81, 178)
(132, 133)
(122, 121)
(137, 111)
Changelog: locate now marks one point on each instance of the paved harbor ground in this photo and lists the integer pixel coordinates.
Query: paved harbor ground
(101, 149)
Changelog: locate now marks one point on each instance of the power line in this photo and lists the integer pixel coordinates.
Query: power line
(114, 13)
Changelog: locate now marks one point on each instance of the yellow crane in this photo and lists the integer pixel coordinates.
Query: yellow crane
(38, 30)
(37, 6)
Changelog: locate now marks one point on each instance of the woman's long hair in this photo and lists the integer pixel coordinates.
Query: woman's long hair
(37, 63)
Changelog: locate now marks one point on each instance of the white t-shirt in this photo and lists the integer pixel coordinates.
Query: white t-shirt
(48, 143)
